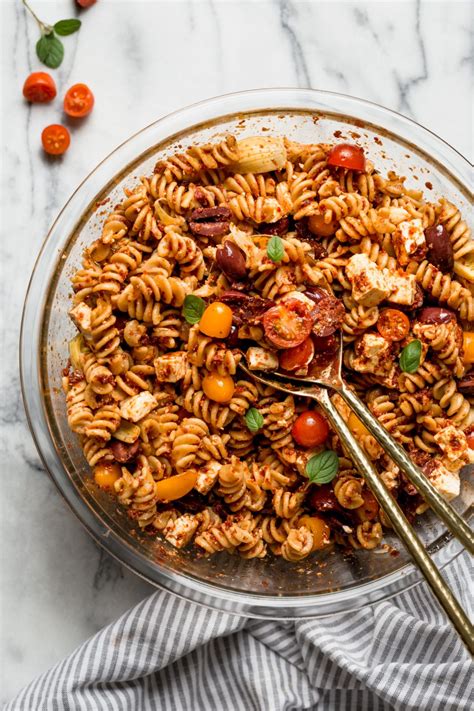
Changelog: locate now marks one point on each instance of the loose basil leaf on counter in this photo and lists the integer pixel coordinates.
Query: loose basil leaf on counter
(50, 50)
(275, 249)
(253, 419)
(410, 357)
(67, 27)
(193, 308)
(322, 468)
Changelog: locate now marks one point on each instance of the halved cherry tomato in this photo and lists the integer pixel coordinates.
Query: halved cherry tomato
(39, 87)
(55, 139)
(468, 346)
(216, 320)
(289, 324)
(79, 101)
(219, 388)
(175, 487)
(319, 528)
(298, 357)
(369, 509)
(310, 429)
(346, 155)
(318, 226)
(393, 324)
(105, 475)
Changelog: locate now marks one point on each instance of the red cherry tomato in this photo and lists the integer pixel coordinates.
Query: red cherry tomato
(470, 436)
(393, 325)
(289, 324)
(39, 87)
(310, 429)
(79, 101)
(85, 3)
(55, 139)
(298, 357)
(346, 155)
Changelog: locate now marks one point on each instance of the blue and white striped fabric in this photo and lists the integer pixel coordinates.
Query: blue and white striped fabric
(169, 654)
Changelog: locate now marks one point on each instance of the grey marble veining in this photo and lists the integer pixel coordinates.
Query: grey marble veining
(142, 60)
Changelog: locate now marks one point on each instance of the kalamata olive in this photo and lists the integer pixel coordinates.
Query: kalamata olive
(123, 452)
(316, 294)
(328, 312)
(435, 314)
(210, 221)
(325, 344)
(323, 498)
(280, 227)
(466, 384)
(440, 250)
(232, 340)
(231, 260)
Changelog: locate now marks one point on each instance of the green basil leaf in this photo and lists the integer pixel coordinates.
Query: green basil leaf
(323, 467)
(50, 50)
(193, 308)
(67, 27)
(275, 249)
(410, 357)
(253, 419)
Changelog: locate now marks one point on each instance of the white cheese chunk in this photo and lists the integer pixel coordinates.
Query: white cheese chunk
(207, 476)
(81, 316)
(369, 283)
(261, 359)
(409, 241)
(403, 287)
(373, 355)
(445, 482)
(171, 367)
(179, 532)
(136, 407)
(452, 442)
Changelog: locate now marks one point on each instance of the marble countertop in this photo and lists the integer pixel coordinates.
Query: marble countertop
(142, 60)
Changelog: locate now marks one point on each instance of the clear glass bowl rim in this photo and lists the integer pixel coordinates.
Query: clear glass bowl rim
(246, 102)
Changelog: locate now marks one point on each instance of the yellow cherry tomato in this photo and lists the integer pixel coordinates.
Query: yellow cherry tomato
(356, 426)
(174, 487)
(216, 320)
(468, 345)
(219, 388)
(105, 475)
(318, 528)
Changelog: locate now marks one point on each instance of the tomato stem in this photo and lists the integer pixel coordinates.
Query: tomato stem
(45, 29)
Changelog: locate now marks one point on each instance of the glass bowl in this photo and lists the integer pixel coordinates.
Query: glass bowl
(329, 581)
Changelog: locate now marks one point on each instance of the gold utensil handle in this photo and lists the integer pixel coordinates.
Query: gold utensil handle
(456, 524)
(400, 524)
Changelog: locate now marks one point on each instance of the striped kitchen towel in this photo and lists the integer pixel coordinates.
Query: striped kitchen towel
(168, 654)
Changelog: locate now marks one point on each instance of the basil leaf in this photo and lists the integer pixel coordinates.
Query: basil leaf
(50, 50)
(323, 467)
(67, 27)
(193, 308)
(410, 357)
(253, 419)
(275, 249)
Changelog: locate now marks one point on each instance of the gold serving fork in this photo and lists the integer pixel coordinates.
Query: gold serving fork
(316, 386)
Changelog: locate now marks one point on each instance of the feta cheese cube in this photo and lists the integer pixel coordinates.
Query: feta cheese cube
(452, 442)
(409, 241)
(136, 407)
(445, 482)
(81, 316)
(171, 367)
(261, 359)
(403, 287)
(369, 283)
(207, 476)
(373, 355)
(179, 532)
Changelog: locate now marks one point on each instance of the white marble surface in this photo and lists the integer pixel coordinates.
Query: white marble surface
(142, 60)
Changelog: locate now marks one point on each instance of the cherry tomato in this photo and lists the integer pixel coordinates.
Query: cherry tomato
(39, 88)
(393, 324)
(356, 426)
(79, 101)
(318, 226)
(219, 388)
(86, 3)
(319, 528)
(55, 139)
(470, 440)
(468, 346)
(105, 475)
(298, 357)
(289, 324)
(174, 487)
(216, 320)
(346, 155)
(369, 509)
(310, 429)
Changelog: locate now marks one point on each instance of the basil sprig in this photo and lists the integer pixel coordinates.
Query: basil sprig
(275, 249)
(322, 467)
(410, 357)
(50, 49)
(193, 308)
(253, 419)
